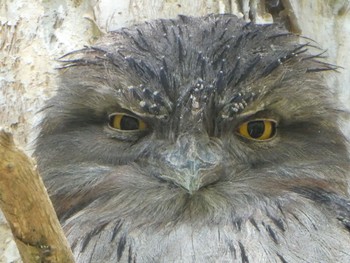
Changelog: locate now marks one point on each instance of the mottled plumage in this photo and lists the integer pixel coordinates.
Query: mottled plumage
(188, 187)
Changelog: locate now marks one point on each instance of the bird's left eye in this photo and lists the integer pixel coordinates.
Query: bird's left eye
(124, 122)
(259, 130)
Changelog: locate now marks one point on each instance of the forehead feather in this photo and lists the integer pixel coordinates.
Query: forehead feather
(222, 54)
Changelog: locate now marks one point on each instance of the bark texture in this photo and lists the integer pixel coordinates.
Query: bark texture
(28, 209)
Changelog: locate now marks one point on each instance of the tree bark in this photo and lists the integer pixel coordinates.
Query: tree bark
(28, 209)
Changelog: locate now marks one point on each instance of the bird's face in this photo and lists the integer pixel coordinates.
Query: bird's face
(190, 120)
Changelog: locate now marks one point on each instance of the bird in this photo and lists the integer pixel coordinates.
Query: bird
(198, 139)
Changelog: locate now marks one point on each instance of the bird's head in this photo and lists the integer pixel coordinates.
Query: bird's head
(194, 112)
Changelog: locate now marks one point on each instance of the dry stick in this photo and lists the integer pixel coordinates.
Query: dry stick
(28, 209)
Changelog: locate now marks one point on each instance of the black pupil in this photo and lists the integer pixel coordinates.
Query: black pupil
(129, 123)
(256, 129)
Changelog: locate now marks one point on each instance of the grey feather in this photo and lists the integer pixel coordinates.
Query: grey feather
(189, 188)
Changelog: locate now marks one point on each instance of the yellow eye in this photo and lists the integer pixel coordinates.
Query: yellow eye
(124, 122)
(260, 130)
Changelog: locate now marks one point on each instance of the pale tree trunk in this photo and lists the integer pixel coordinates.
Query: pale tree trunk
(35, 33)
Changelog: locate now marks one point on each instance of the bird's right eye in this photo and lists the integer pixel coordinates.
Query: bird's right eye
(125, 122)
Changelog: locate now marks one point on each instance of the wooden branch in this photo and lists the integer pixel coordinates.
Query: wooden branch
(28, 209)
